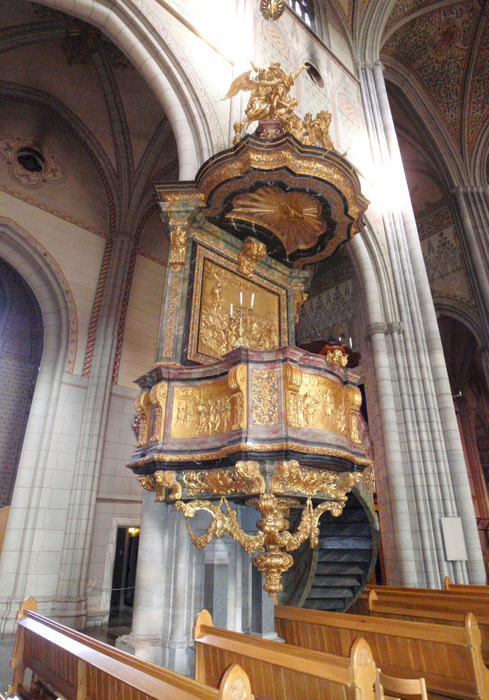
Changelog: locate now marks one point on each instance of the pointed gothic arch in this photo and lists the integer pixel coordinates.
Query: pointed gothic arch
(54, 298)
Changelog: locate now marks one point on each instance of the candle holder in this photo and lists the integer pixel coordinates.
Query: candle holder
(239, 321)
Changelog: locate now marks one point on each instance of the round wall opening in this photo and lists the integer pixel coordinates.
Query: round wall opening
(31, 159)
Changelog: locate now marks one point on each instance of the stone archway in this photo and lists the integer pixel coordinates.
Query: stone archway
(21, 340)
(53, 297)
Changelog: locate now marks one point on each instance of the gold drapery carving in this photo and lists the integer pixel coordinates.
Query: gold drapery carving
(273, 534)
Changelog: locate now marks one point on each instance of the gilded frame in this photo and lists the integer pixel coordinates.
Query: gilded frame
(270, 297)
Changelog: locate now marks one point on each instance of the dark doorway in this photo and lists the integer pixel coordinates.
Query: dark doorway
(124, 576)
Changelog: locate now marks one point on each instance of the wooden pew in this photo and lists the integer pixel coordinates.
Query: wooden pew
(447, 657)
(280, 671)
(458, 598)
(431, 606)
(464, 588)
(402, 687)
(79, 667)
(454, 592)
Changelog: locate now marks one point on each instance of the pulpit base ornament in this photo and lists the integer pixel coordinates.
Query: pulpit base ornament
(273, 533)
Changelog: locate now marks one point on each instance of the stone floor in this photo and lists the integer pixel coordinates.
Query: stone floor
(118, 626)
(6, 648)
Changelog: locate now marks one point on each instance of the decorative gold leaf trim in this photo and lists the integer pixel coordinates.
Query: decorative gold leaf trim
(160, 482)
(290, 477)
(244, 477)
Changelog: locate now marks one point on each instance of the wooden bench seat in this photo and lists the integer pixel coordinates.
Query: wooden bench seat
(79, 667)
(448, 657)
(280, 671)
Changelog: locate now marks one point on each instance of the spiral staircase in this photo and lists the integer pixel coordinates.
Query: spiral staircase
(333, 575)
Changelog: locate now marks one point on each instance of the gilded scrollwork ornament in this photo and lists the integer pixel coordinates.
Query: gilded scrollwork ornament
(300, 298)
(290, 477)
(221, 523)
(160, 482)
(273, 530)
(368, 480)
(141, 422)
(244, 478)
(157, 397)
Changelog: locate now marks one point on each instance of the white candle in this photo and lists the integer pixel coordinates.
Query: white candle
(231, 309)
(241, 298)
(252, 299)
(351, 344)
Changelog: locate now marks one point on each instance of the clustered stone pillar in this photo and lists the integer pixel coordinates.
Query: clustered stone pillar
(169, 589)
(70, 604)
(472, 207)
(426, 476)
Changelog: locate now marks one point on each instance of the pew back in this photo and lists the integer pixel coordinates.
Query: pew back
(432, 607)
(448, 657)
(79, 667)
(281, 671)
(480, 590)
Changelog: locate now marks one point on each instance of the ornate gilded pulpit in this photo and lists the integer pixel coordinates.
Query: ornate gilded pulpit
(233, 412)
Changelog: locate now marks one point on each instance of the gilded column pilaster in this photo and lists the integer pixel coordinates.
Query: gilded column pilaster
(176, 210)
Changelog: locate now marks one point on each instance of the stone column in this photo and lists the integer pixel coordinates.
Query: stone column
(435, 472)
(70, 601)
(472, 208)
(216, 578)
(169, 589)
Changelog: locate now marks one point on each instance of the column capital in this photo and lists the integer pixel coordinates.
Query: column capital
(372, 65)
(395, 327)
(470, 189)
(374, 328)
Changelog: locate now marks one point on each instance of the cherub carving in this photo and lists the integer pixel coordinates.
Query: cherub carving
(269, 97)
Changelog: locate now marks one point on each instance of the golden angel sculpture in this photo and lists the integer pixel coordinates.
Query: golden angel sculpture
(270, 100)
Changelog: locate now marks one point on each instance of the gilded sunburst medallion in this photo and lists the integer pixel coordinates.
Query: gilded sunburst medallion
(272, 9)
(293, 217)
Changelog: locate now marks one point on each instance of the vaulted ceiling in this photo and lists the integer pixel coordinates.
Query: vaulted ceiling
(63, 82)
(436, 58)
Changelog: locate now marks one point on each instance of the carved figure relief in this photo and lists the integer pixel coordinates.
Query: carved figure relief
(235, 312)
(200, 411)
(270, 101)
(252, 251)
(321, 404)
